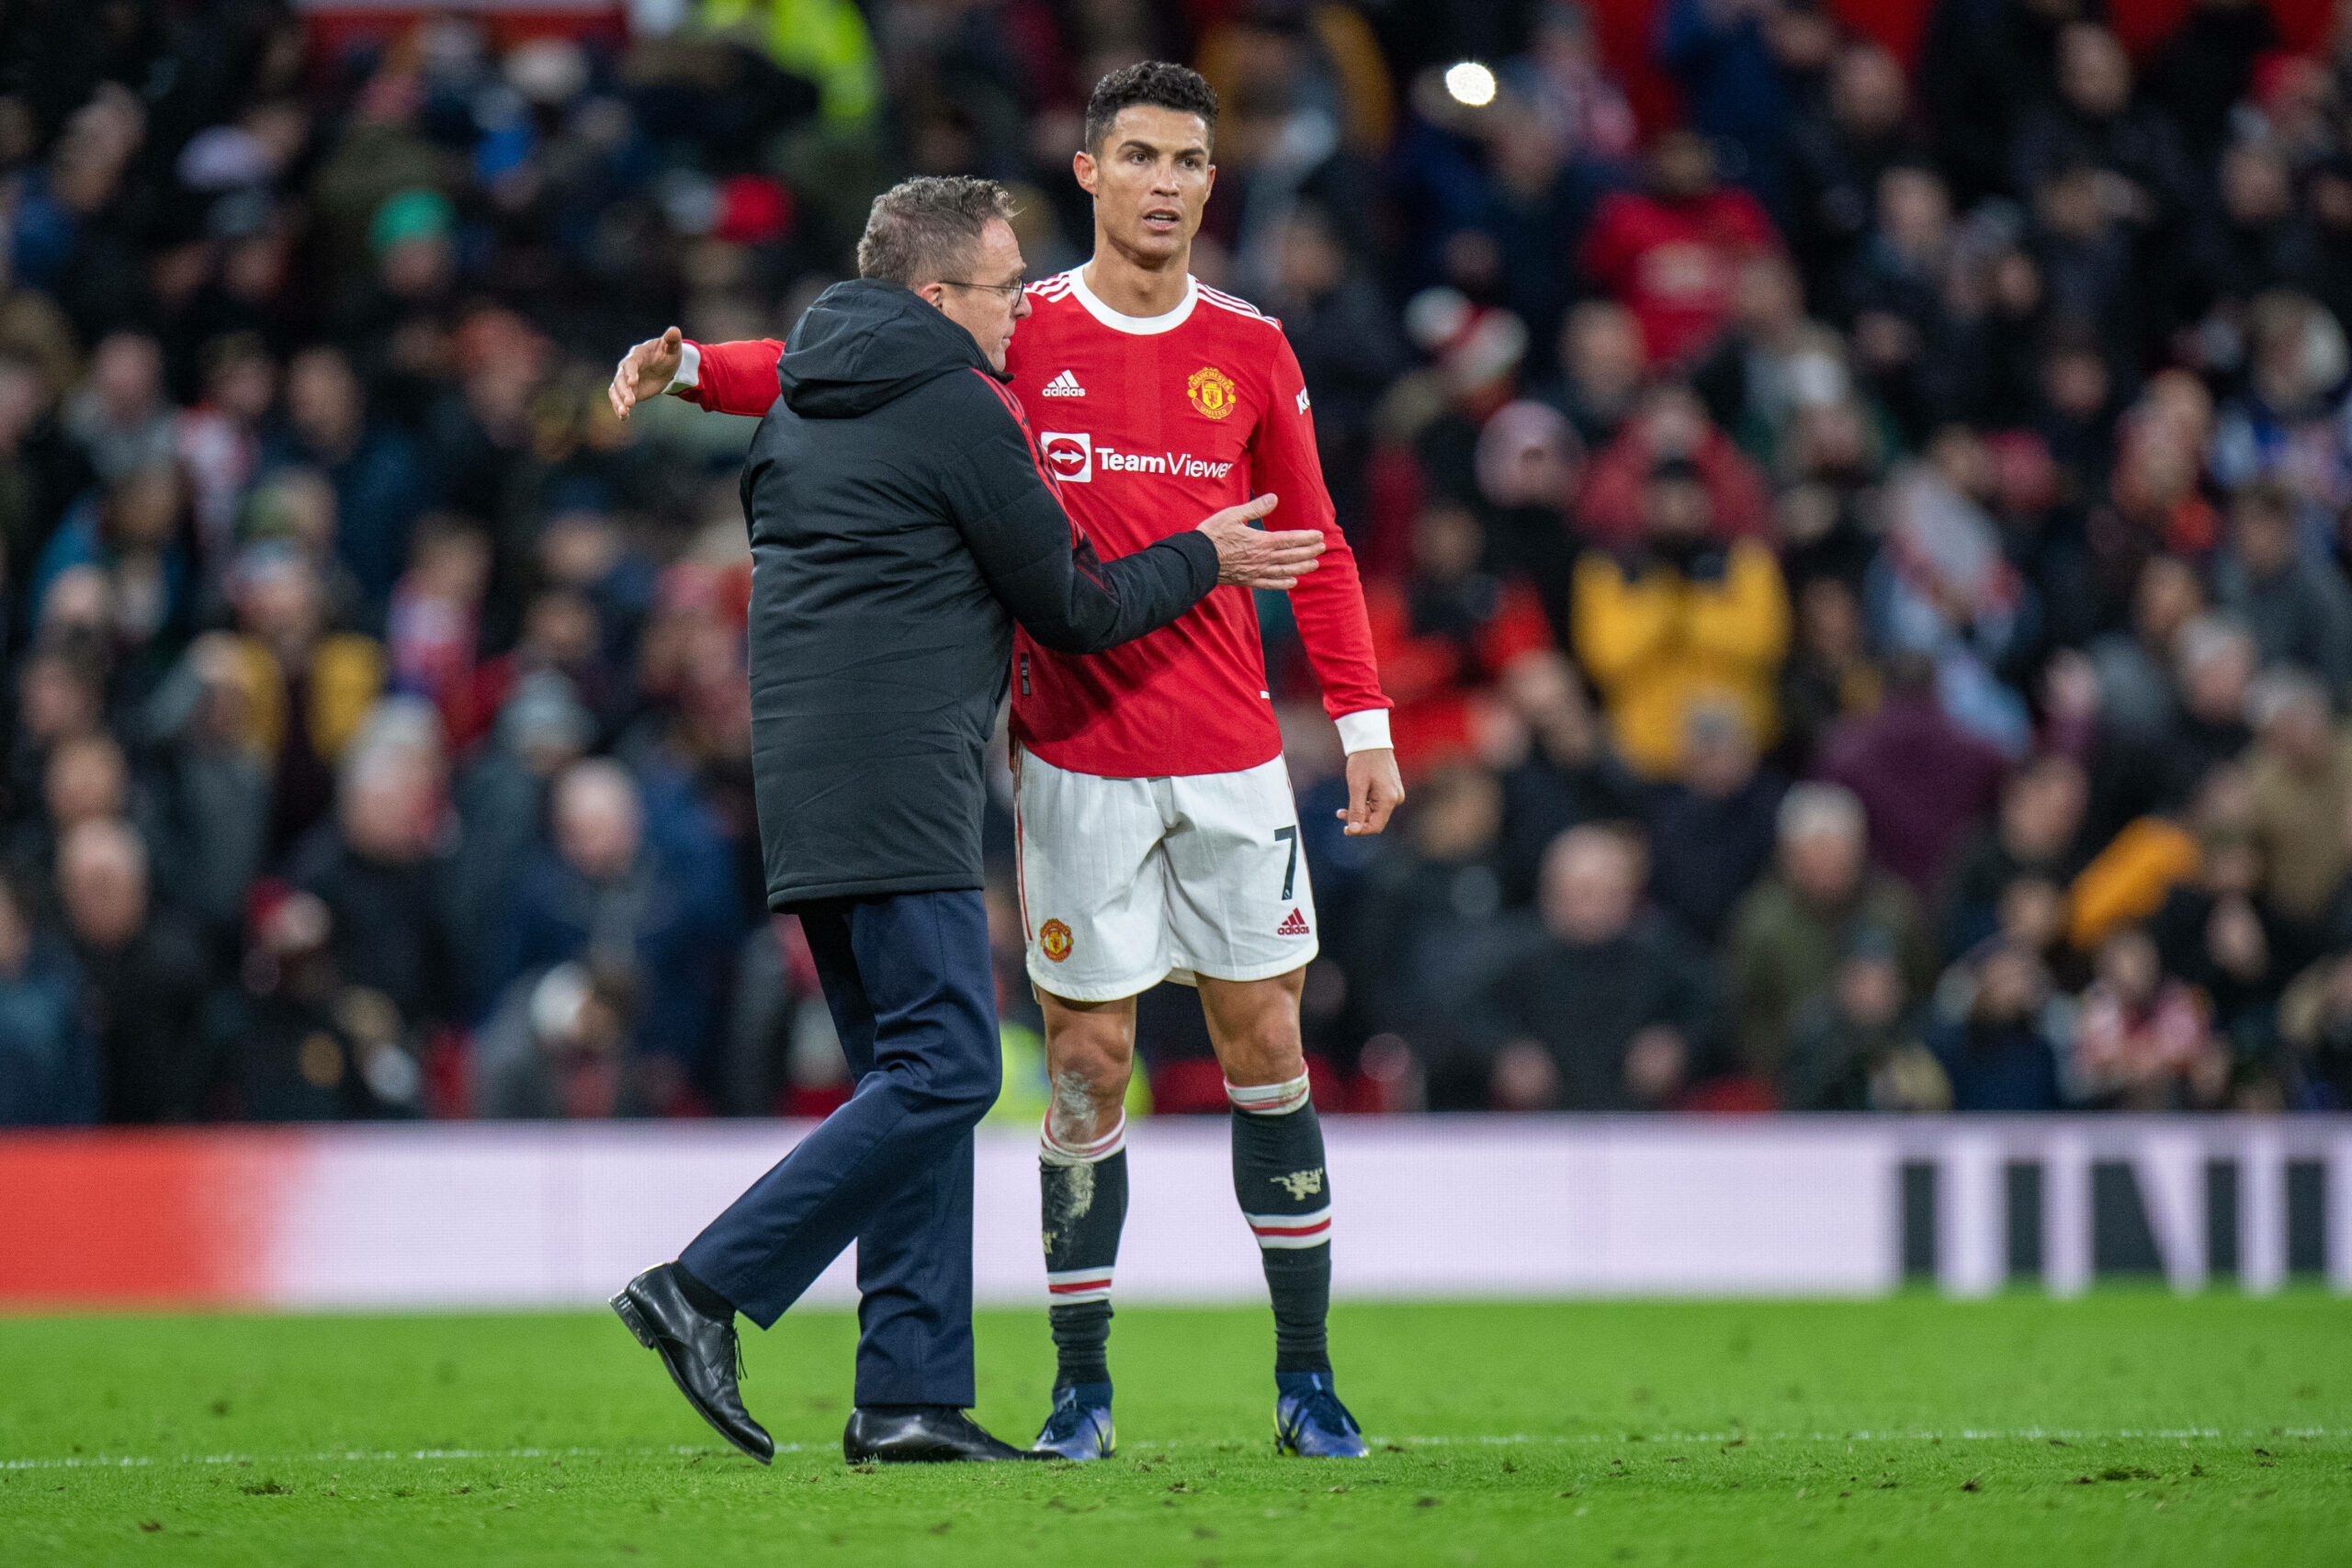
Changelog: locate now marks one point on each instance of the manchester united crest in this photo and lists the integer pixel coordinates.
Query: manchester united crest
(1054, 937)
(1210, 390)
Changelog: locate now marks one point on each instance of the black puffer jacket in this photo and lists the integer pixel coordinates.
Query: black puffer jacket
(901, 523)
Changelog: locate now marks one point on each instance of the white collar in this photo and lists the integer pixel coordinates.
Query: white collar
(1140, 326)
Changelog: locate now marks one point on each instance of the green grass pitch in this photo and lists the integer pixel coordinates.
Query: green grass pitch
(2128, 1428)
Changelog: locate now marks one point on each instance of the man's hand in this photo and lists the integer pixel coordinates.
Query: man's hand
(1374, 789)
(1253, 557)
(647, 370)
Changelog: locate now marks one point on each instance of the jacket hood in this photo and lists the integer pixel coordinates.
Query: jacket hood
(865, 342)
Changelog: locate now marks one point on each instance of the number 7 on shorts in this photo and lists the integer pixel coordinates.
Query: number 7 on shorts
(1290, 872)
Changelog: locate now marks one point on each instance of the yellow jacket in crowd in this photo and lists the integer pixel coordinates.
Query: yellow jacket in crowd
(1658, 644)
(346, 675)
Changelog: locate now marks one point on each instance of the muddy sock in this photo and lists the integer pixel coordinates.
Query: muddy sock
(1085, 1193)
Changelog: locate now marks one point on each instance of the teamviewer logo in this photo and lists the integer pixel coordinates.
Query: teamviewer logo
(1070, 454)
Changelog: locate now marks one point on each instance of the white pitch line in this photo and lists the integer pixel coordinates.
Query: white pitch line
(2022, 1434)
(356, 1456)
(1966, 1434)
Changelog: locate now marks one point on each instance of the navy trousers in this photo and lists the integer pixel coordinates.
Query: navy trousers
(908, 981)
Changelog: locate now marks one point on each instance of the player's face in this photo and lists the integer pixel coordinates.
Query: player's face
(1149, 180)
(989, 299)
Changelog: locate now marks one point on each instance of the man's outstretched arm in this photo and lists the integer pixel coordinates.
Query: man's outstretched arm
(723, 377)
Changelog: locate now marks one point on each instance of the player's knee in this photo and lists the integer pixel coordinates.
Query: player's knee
(1268, 1057)
(1094, 1053)
(1100, 1068)
(1088, 1067)
(1087, 1100)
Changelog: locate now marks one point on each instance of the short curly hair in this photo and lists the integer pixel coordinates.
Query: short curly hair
(1156, 84)
(923, 230)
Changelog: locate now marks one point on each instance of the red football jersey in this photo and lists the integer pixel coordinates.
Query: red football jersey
(1148, 425)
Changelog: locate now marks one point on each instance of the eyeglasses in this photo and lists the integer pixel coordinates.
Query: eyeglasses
(1007, 292)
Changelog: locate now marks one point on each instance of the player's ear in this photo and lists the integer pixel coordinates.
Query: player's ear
(1082, 163)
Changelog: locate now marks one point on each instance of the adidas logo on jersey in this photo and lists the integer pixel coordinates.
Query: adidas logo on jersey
(1064, 386)
(1294, 926)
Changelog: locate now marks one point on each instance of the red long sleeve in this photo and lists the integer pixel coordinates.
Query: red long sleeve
(1327, 603)
(737, 378)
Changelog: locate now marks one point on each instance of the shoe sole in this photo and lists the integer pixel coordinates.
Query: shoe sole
(626, 1310)
(878, 1458)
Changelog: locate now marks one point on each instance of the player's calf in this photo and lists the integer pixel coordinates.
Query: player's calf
(1279, 1177)
(1285, 1191)
(1084, 1187)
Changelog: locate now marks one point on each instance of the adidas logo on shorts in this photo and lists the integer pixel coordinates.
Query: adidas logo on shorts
(1064, 386)
(1294, 926)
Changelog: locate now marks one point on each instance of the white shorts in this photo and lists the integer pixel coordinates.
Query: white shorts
(1125, 883)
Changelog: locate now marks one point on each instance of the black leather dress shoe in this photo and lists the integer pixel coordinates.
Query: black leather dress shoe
(700, 1351)
(922, 1434)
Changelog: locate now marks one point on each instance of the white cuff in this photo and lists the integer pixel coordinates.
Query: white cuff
(1366, 730)
(1054, 1152)
(689, 374)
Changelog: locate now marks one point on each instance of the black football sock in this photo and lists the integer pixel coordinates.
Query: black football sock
(1285, 1193)
(1085, 1193)
(701, 1297)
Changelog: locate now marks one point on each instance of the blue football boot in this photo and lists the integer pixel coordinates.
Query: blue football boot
(1310, 1420)
(1079, 1426)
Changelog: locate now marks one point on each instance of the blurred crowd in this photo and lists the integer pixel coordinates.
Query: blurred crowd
(1858, 547)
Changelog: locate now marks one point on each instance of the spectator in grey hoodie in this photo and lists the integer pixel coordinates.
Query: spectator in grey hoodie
(2295, 603)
